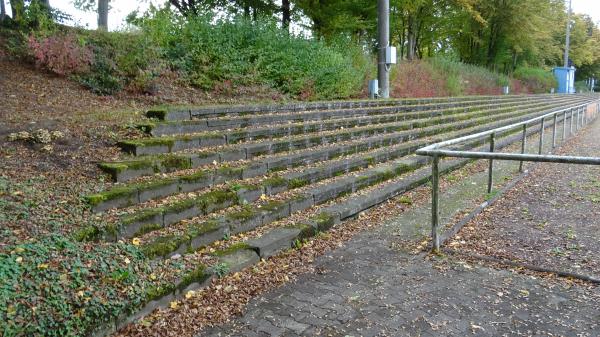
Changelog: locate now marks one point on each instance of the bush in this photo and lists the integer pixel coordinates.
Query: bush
(440, 76)
(536, 80)
(239, 52)
(63, 54)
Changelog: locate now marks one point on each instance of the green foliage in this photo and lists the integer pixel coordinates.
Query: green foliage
(242, 52)
(221, 269)
(67, 288)
(537, 79)
(121, 59)
(443, 76)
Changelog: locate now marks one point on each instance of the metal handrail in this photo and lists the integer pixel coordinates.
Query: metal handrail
(436, 151)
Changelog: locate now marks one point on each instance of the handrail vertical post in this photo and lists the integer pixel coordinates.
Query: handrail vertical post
(523, 145)
(554, 132)
(491, 163)
(542, 127)
(435, 213)
(571, 127)
(564, 137)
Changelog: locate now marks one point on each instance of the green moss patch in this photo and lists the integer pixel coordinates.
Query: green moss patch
(174, 162)
(192, 178)
(147, 228)
(306, 230)
(88, 233)
(275, 181)
(272, 206)
(154, 141)
(161, 246)
(232, 249)
(196, 230)
(114, 193)
(146, 127)
(297, 183)
(245, 214)
(324, 221)
(142, 215)
(197, 275)
(160, 114)
(113, 168)
(181, 206)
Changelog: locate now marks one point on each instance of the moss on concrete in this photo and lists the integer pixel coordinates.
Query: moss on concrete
(147, 228)
(88, 233)
(198, 275)
(306, 230)
(142, 215)
(323, 221)
(161, 246)
(231, 249)
(245, 214)
(195, 230)
(297, 183)
(157, 113)
(174, 162)
(146, 127)
(114, 193)
(275, 181)
(217, 197)
(154, 141)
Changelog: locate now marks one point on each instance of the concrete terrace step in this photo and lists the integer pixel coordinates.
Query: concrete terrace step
(148, 165)
(187, 113)
(176, 143)
(134, 193)
(252, 121)
(197, 234)
(341, 197)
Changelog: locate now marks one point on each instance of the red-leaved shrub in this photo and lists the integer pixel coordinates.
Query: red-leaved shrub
(62, 54)
(418, 79)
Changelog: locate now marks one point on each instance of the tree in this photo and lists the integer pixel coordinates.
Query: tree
(354, 18)
(286, 14)
(101, 7)
(2, 10)
(103, 14)
(191, 7)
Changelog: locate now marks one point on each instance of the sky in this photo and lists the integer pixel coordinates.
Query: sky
(121, 8)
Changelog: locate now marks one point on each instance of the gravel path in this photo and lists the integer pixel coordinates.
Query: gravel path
(375, 286)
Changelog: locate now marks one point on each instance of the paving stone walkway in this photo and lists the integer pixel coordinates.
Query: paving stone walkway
(373, 287)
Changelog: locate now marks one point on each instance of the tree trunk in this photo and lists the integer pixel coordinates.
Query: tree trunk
(411, 38)
(2, 10)
(102, 14)
(285, 14)
(17, 7)
(246, 7)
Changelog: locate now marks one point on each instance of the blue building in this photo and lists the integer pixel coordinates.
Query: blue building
(566, 79)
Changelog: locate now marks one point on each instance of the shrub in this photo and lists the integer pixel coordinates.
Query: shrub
(239, 52)
(537, 80)
(441, 76)
(62, 54)
(121, 59)
(418, 79)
